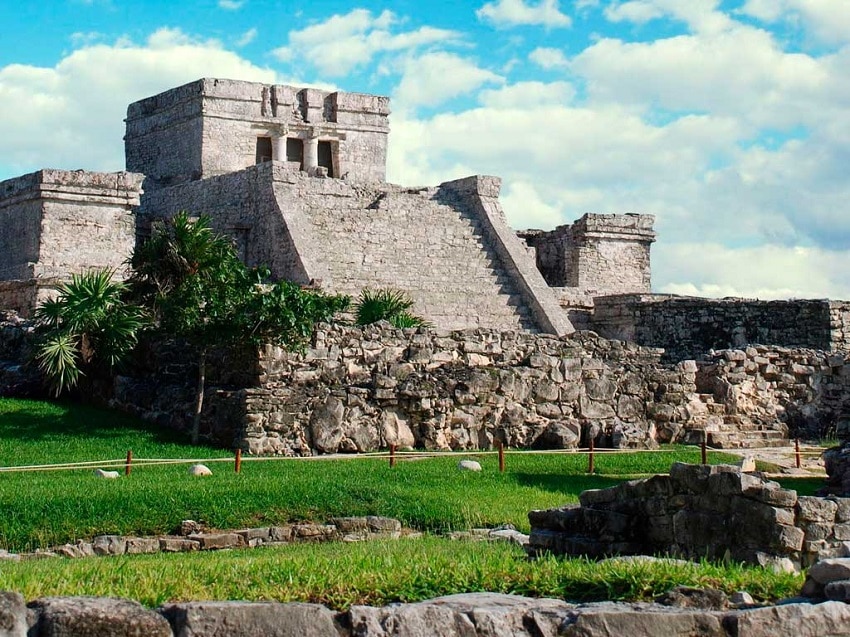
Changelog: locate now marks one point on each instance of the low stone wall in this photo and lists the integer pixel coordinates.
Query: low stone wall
(699, 511)
(689, 327)
(361, 389)
(465, 615)
(194, 537)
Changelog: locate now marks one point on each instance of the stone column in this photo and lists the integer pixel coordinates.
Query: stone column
(311, 154)
(279, 148)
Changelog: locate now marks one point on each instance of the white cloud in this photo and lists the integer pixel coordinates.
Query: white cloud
(765, 272)
(508, 13)
(343, 42)
(231, 5)
(549, 58)
(700, 15)
(522, 94)
(71, 115)
(246, 38)
(433, 78)
(740, 72)
(826, 21)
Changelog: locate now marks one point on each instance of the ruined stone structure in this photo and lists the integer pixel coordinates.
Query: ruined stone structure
(296, 178)
(57, 222)
(712, 512)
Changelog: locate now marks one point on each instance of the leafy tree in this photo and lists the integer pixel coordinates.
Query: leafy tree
(198, 289)
(387, 305)
(88, 326)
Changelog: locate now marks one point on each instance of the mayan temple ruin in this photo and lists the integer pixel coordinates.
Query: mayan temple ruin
(297, 178)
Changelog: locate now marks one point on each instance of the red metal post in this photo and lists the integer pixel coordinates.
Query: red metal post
(797, 452)
(127, 466)
(238, 460)
(591, 467)
(501, 457)
(392, 455)
(704, 450)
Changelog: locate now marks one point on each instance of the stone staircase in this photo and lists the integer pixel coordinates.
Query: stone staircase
(721, 430)
(426, 244)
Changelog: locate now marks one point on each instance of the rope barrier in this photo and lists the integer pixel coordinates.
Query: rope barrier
(386, 455)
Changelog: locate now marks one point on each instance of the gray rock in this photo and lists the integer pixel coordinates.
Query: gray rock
(469, 465)
(96, 617)
(610, 619)
(688, 597)
(466, 615)
(838, 591)
(830, 570)
(830, 619)
(250, 619)
(741, 598)
(13, 615)
(109, 545)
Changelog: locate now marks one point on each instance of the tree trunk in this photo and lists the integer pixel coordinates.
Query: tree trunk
(199, 395)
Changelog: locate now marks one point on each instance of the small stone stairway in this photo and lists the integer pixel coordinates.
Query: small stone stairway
(730, 431)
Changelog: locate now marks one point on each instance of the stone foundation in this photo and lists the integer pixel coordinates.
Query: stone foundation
(713, 512)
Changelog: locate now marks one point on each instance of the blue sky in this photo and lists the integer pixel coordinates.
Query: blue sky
(728, 120)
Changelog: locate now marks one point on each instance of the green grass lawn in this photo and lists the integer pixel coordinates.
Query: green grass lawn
(53, 507)
(47, 508)
(342, 574)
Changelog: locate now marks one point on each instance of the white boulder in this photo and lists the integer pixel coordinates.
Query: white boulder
(199, 470)
(468, 465)
(110, 475)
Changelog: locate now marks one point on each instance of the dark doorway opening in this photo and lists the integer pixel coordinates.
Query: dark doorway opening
(326, 157)
(264, 149)
(295, 151)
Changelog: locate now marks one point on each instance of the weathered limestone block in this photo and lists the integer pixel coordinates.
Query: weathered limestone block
(250, 619)
(215, 541)
(96, 617)
(462, 615)
(109, 545)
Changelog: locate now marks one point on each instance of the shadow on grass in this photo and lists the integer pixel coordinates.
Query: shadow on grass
(566, 484)
(34, 421)
(803, 486)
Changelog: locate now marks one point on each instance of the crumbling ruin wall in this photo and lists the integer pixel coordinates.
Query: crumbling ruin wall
(688, 327)
(715, 512)
(598, 254)
(56, 222)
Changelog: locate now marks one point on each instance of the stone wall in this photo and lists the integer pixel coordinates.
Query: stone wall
(463, 615)
(449, 247)
(715, 512)
(57, 222)
(598, 254)
(212, 126)
(688, 327)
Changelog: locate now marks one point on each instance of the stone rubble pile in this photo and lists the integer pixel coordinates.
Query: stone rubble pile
(465, 615)
(699, 511)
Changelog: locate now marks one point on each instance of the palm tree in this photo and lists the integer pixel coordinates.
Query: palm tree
(88, 325)
(200, 291)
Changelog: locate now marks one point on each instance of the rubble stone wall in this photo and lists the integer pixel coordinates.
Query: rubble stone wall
(697, 511)
(688, 327)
